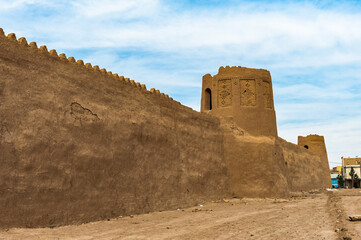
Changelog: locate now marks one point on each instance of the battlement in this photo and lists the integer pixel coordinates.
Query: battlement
(312, 138)
(32, 46)
(242, 70)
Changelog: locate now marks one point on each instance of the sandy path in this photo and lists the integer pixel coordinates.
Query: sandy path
(304, 217)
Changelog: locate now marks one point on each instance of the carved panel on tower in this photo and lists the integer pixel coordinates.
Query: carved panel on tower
(267, 95)
(248, 92)
(224, 93)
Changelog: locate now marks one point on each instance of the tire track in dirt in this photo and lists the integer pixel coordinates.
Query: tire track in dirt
(338, 216)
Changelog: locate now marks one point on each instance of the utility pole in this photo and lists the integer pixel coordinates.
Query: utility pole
(343, 174)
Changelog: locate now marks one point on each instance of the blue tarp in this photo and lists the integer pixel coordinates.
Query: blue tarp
(334, 183)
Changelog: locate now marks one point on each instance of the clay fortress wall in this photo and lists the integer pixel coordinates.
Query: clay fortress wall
(80, 144)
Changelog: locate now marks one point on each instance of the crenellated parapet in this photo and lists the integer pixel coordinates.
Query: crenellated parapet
(242, 70)
(80, 64)
(314, 143)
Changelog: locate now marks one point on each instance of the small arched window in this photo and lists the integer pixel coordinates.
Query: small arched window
(306, 146)
(208, 99)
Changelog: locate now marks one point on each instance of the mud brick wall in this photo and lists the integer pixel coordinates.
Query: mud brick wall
(80, 144)
(262, 166)
(304, 169)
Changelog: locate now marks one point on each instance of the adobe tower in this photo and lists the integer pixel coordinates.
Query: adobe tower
(244, 95)
(316, 144)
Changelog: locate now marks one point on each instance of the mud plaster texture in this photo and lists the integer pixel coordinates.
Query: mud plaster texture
(78, 145)
(81, 144)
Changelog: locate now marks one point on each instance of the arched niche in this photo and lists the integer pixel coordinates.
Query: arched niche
(208, 99)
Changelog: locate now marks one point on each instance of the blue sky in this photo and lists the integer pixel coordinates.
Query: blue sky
(312, 48)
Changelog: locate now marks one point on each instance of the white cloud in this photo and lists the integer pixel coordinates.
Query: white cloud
(311, 36)
(8, 5)
(124, 9)
(170, 48)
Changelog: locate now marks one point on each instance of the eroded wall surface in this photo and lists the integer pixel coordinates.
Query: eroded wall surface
(262, 166)
(304, 169)
(78, 144)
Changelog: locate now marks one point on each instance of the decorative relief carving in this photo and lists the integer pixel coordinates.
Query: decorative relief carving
(224, 93)
(248, 92)
(267, 95)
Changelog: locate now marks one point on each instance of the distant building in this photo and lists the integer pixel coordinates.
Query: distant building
(336, 170)
(347, 164)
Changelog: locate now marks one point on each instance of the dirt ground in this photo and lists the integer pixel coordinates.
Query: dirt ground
(312, 215)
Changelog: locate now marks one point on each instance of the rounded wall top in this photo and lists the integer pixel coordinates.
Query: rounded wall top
(239, 72)
(239, 69)
(310, 138)
(207, 76)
